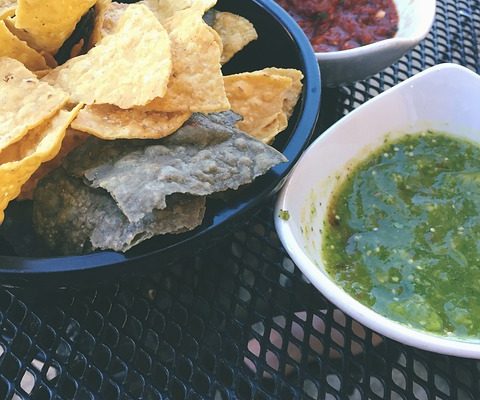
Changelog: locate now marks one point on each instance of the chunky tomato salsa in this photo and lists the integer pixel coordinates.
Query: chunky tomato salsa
(333, 25)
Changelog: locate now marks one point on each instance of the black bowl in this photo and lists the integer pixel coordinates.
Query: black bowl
(281, 43)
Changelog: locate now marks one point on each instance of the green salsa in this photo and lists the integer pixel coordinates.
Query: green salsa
(403, 234)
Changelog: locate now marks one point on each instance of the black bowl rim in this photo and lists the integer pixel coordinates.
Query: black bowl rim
(26, 267)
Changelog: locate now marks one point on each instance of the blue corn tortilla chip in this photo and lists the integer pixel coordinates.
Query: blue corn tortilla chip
(205, 156)
(73, 218)
(115, 194)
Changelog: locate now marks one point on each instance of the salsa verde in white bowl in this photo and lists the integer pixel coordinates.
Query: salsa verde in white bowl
(438, 107)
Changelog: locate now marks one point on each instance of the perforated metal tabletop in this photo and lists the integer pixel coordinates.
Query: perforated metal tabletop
(237, 321)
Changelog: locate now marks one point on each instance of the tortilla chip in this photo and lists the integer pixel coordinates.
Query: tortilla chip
(164, 9)
(268, 132)
(108, 13)
(26, 102)
(101, 7)
(295, 90)
(13, 47)
(20, 33)
(50, 129)
(24, 37)
(110, 122)
(127, 68)
(227, 119)
(235, 31)
(71, 141)
(107, 16)
(21, 159)
(48, 23)
(204, 156)
(51, 61)
(86, 219)
(258, 97)
(42, 72)
(77, 48)
(197, 82)
(7, 8)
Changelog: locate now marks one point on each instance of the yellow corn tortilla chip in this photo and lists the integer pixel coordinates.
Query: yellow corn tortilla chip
(293, 93)
(108, 13)
(51, 62)
(77, 48)
(20, 160)
(7, 8)
(235, 31)
(128, 68)
(70, 142)
(197, 82)
(13, 47)
(42, 72)
(27, 146)
(109, 122)
(164, 9)
(264, 99)
(105, 20)
(24, 36)
(26, 102)
(268, 132)
(20, 33)
(258, 97)
(48, 23)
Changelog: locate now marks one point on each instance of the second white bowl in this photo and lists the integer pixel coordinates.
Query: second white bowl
(444, 98)
(415, 18)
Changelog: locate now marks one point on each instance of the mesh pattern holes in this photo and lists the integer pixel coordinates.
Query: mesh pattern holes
(238, 321)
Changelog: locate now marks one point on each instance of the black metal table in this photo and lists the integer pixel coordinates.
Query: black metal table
(188, 331)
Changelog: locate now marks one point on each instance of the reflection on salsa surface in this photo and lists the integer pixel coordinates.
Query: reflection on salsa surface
(333, 25)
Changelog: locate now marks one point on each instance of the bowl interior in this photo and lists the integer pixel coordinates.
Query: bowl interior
(442, 98)
(282, 44)
(414, 18)
(341, 67)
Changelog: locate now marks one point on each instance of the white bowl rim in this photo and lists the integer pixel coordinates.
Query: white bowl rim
(381, 44)
(356, 310)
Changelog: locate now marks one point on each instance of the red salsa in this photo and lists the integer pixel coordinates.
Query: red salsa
(333, 25)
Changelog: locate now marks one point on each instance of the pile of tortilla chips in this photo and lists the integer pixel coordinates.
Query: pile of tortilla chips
(150, 70)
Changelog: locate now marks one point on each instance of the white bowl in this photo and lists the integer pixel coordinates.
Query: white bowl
(415, 18)
(444, 98)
